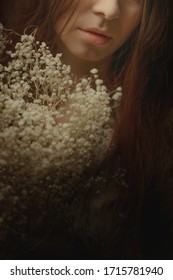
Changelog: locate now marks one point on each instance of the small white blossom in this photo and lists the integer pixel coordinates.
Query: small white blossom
(94, 71)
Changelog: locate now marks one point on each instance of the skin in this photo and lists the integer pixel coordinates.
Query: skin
(118, 18)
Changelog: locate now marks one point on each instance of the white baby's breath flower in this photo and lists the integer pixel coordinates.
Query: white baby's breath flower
(49, 128)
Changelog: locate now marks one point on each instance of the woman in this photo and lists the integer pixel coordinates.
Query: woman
(129, 41)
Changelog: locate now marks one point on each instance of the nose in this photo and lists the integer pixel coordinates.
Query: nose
(109, 9)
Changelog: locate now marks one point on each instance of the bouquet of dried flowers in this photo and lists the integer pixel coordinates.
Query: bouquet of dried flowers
(51, 131)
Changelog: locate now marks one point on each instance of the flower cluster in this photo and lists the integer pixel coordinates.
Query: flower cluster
(51, 131)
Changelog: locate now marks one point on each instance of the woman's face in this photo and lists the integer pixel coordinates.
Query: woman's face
(97, 28)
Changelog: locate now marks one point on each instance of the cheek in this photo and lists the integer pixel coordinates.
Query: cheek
(137, 16)
(65, 22)
(68, 20)
(133, 21)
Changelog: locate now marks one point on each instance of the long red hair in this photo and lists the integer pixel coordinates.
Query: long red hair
(144, 138)
(147, 92)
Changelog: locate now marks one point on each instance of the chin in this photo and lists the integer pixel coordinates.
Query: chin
(89, 56)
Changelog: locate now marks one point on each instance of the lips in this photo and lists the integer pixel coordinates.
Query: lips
(95, 36)
(98, 32)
